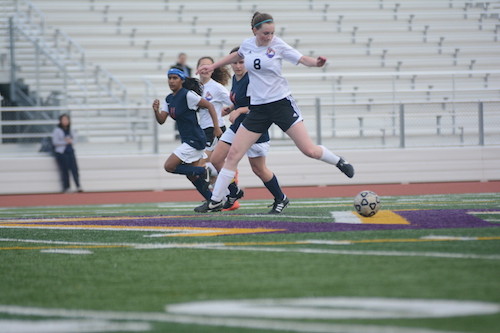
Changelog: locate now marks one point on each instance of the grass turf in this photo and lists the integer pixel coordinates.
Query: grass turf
(119, 277)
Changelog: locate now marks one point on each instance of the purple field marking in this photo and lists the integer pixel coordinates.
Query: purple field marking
(419, 219)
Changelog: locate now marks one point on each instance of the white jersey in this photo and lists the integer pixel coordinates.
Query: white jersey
(263, 64)
(217, 94)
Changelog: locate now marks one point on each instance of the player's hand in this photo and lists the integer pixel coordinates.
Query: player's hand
(156, 105)
(217, 131)
(233, 116)
(204, 69)
(226, 110)
(320, 61)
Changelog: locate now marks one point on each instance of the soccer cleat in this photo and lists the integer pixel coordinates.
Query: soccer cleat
(231, 200)
(235, 206)
(345, 167)
(209, 206)
(279, 205)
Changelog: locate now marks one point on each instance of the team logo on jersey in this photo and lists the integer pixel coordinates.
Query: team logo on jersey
(172, 112)
(208, 96)
(233, 97)
(270, 52)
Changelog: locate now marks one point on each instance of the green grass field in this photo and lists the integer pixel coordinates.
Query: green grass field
(423, 264)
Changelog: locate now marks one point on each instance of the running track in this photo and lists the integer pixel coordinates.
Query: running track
(94, 198)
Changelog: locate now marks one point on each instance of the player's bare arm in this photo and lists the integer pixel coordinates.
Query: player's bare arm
(236, 113)
(227, 110)
(233, 57)
(161, 117)
(213, 114)
(312, 62)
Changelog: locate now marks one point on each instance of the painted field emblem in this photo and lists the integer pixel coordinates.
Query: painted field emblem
(179, 226)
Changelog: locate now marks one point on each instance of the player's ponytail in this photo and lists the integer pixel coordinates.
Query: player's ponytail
(193, 84)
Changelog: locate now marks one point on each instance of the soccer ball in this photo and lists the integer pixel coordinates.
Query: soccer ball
(367, 203)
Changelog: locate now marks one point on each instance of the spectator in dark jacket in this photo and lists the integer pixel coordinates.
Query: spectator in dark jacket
(63, 139)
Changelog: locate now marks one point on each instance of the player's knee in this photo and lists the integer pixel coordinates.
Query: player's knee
(233, 157)
(258, 171)
(217, 162)
(312, 152)
(169, 167)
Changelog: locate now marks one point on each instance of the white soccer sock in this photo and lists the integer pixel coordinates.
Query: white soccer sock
(223, 180)
(329, 157)
(213, 170)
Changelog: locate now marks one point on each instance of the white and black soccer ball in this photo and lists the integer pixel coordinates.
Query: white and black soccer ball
(367, 203)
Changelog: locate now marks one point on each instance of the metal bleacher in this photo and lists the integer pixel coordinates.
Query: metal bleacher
(133, 40)
(436, 60)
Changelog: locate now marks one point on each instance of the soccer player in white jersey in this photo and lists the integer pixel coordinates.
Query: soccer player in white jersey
(256, 154)
(271, 102)
(214, 92)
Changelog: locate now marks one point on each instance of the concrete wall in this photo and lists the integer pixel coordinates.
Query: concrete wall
(145, 172)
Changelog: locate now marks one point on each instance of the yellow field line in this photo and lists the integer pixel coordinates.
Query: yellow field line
(62, 247)
(304, 242)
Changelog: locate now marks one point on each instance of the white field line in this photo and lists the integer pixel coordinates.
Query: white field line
(279, 325)
(484, 213)
(43, 241)
(361, 253)
(67, 251)
(221, 246)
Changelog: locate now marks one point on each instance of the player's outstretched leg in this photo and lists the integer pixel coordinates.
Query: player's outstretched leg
(298, 133)
(216, 203)
(345, 167)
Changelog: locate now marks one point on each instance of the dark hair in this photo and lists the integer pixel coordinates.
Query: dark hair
(234, 49)
(259, 18)
(60, 120)
(220, 74)
(191, 83)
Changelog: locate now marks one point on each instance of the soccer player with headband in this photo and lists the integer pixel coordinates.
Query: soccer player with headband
(182, 105)
(271, 102)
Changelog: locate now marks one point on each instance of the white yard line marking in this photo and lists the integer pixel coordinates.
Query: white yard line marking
(437, 237)
(329, 308)
(258, 247)
(484, 213)
(361, 253)
(70, 326)
(67, 251)
(283, 325)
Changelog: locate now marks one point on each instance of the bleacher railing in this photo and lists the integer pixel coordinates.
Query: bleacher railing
(346, 126)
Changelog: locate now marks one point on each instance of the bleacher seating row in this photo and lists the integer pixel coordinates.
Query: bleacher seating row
(133, 40)
(379, 51)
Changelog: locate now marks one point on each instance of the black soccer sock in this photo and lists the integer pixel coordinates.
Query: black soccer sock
(274, 187)
(202, 187)
(233, 189)
(189, 170)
